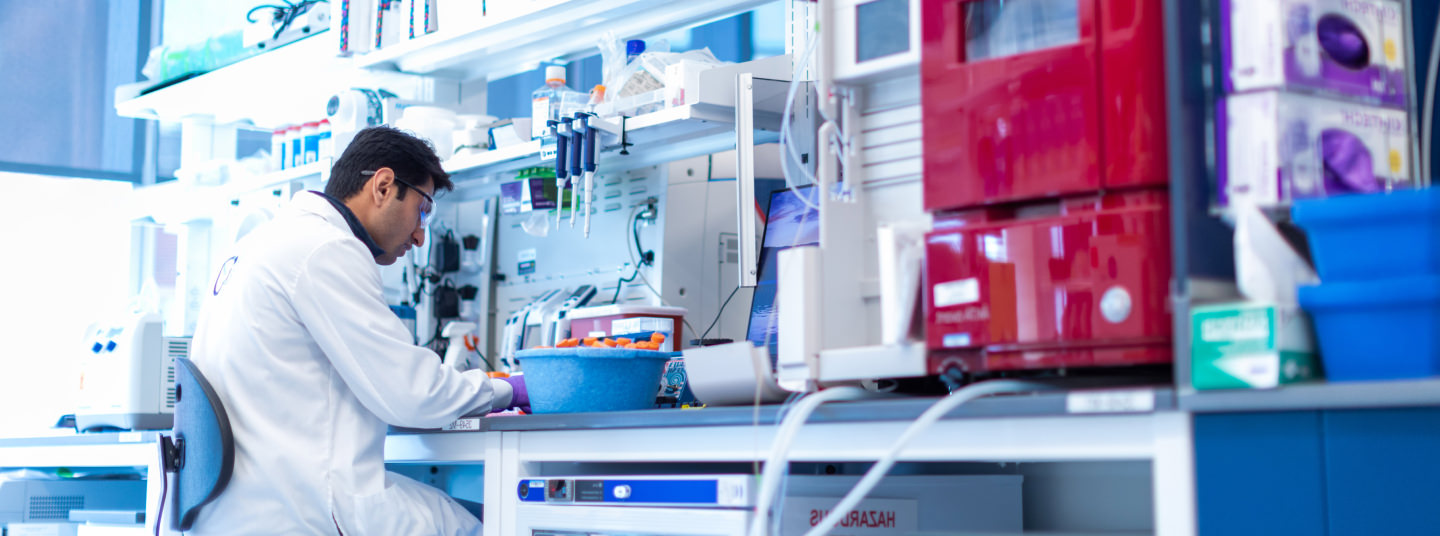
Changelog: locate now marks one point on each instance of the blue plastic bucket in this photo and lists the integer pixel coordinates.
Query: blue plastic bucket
(1373, 236)
(1377, 330)
(573, 380)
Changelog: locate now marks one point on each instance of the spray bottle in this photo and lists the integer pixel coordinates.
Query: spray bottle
(457, 355)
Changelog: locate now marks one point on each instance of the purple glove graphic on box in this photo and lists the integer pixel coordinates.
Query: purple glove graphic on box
(1346, 48)
(1276, 147)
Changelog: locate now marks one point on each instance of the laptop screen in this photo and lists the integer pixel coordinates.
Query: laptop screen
(789, 223)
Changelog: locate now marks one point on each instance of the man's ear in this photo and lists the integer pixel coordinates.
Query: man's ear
(381, 186)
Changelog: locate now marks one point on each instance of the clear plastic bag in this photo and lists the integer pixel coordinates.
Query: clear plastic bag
(638, 87)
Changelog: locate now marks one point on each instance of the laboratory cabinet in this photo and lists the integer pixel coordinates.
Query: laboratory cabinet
(1333, 472)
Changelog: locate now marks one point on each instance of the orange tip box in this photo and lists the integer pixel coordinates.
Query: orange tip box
(636, 322)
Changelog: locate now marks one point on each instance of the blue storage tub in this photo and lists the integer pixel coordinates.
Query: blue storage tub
(1377, 330)
(572, 380)
(1373, 236)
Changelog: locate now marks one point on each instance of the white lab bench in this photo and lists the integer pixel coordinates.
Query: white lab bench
(1138, 424)
(103, 450)
(1132, 424)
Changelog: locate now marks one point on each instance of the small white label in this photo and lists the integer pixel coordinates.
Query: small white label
(526, 255)
(1115, 305)
(468, 424)
(539, 114)
(957, 292)
(131, 437)
(597, 334)
(630, 326)
(1128, 401)
(956, 340)
(1261, 371)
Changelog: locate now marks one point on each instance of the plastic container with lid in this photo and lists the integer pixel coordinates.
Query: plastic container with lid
(1377, 330)
(296, 144)
(327, 142)
(277, 149)
(310, 132)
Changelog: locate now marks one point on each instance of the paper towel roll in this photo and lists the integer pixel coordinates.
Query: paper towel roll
(719, 375)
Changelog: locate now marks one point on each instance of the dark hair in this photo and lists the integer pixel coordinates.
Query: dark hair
(413, 160)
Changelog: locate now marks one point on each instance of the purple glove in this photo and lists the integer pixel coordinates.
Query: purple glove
(520, 398)
(1342, 40)
(1348, 164)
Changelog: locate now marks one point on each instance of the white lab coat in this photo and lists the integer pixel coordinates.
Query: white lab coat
(312, 365)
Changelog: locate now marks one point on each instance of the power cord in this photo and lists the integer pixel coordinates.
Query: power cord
(719, 313)
(283, 16)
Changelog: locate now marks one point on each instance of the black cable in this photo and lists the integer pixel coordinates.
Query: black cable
(622, 282)
(285, 14)
(484, 361)
(635, 231)
(717, 314)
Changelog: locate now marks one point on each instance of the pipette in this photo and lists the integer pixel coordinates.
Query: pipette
(588, 156)
(577, 136)
(564, 150)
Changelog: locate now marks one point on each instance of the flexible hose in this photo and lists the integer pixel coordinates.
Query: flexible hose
(940, 409)
(777, 464)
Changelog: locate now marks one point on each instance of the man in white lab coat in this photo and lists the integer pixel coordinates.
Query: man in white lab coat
(312, 365)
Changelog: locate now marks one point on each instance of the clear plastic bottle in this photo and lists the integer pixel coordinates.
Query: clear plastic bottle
(327, 143)
(296, 156)
(277, 149)
(553, 100)
(310, 142)
(633, 49)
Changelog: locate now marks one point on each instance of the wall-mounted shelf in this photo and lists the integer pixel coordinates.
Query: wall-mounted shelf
(1318, 396)
(287, 85)
(662, 136)
(319, 169)
(509, 40)
(182, 201)
(496, 160)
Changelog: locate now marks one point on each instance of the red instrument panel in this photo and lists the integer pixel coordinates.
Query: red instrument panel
(1018, 110)
(1083, 282)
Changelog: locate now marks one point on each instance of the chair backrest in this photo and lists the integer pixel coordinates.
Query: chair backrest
(206, 447)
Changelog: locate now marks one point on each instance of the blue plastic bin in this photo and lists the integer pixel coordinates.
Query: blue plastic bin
(1373, 236)
(1377, 330)
(573, 380)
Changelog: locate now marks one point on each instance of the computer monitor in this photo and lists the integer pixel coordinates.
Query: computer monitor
(789, 222)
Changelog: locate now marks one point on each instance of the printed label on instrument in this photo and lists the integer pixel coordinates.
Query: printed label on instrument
(1127, 401)
(468, 424)
(957, 292)
(526, 258)
(956, 340)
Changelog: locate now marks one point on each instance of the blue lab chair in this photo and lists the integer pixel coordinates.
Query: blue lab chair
(201, 450)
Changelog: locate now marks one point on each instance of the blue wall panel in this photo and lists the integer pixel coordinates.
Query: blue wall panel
(1383, 471)
(1260, 474)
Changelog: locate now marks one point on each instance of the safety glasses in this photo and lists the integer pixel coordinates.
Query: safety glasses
(427, 204)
